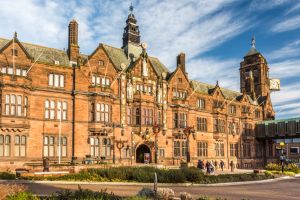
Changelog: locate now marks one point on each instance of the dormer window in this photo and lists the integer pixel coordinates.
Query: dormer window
(14, 52)
(232, 109)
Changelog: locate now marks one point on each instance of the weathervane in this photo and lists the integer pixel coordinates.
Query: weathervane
(131, 8)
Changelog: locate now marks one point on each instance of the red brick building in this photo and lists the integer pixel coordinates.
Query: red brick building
(104, 105)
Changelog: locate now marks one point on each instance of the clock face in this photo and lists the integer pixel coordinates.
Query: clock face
(274, 84)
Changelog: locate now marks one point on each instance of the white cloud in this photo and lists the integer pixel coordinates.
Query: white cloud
(289, 24)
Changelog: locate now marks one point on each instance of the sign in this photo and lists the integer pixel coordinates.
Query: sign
(147, 158)
(274, 84)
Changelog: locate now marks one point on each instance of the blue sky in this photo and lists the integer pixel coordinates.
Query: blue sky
(214, 34)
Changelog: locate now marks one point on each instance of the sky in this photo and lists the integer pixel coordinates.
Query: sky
(214, 34)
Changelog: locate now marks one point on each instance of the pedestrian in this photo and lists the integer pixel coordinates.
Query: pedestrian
(212, 167)
(222, 164)
(200, 164)
(207, 167)
(232, 166)
(216, 165)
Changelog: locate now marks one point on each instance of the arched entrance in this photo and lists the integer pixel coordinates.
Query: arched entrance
(140, 153)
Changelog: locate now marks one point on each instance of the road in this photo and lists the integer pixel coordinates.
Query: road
(279, 190)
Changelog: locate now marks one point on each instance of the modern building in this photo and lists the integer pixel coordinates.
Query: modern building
(285, 131)
(66, 106)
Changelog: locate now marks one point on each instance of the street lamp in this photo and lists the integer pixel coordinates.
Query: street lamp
(156, 130)
(187, 132)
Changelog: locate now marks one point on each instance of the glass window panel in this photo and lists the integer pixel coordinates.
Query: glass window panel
(3, 70)
(13, 110)
(51, 140)
(51, 151)
(10, 70)
(23, 139)
(65, 105)
(98, 107)
(102, 107)
(18, 72)
(56, 80)
(93, 80)
(17, 139)
(46, 151)
(62, 81)
(52, 104)
(51, 79)
(17, 150)
(23, 151)
(24, 72)
(103, 81)
(107, 81)
(13, 99)
(46, 140)
(98, 80)
(92, 141)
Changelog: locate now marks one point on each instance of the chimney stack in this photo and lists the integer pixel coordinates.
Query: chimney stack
(181, 61)
(73, 48)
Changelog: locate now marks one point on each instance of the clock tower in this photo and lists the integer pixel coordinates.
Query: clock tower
(254, 80)
(254, 74)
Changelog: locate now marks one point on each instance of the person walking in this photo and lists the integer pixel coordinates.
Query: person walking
(216, 165)
(222, 164)
(207, 167)
(200, 164)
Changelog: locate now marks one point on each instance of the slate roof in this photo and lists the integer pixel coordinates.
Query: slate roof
(251, 52)
(49, 55)
(118, 56)
(204, 88)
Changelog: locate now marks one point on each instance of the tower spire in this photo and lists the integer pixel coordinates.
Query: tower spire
(131, 31)
(253, 41)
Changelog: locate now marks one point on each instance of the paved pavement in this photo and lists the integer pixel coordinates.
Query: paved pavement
(278, 190)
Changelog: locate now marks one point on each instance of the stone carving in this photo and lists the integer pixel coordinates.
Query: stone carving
(129, 90)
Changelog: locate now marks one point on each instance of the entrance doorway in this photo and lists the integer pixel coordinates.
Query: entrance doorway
(140, 153)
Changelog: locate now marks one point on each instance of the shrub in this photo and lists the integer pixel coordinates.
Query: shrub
(84, 194)
(277, 167)
(193, 175)
(22, 196)
(10, 189)
(7, 176)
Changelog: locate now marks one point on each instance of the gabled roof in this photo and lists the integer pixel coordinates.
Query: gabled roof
(118, 56)
(49, 54)
(204, 88)
(15, 40)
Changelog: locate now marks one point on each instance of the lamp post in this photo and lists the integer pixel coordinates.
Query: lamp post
(114, 125)
(281, 156)
(156, 130)
(187, 132)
